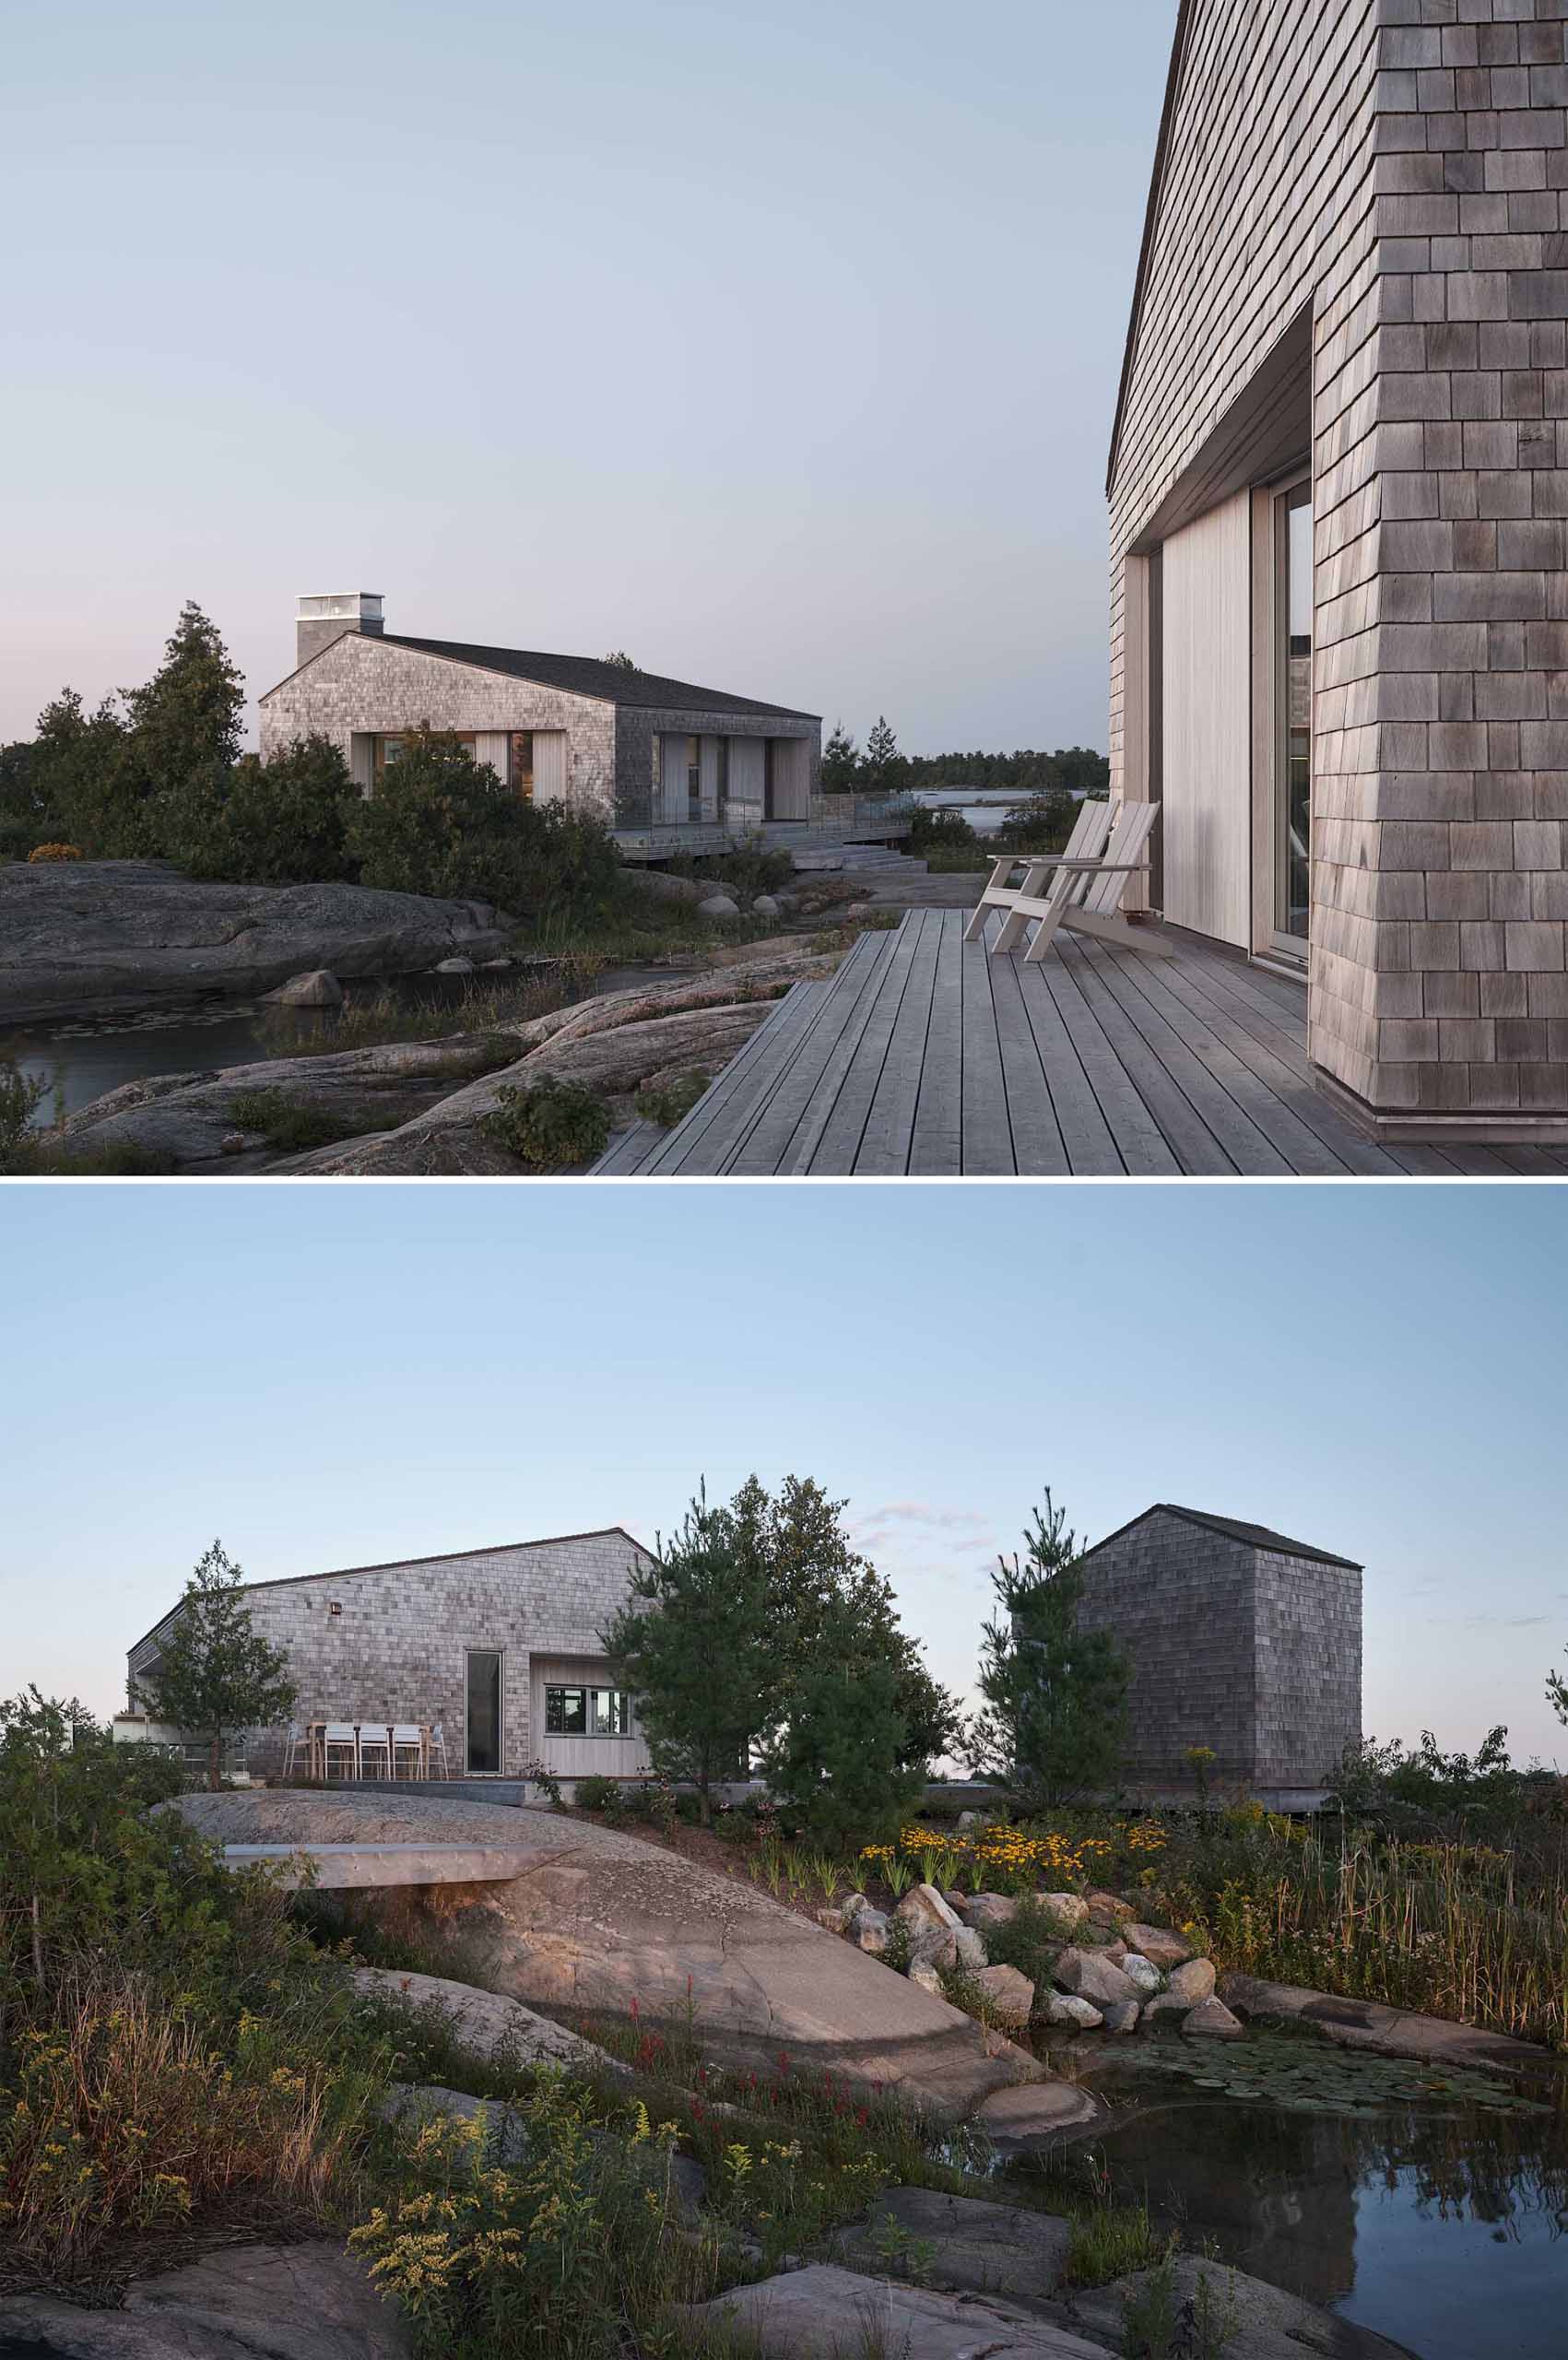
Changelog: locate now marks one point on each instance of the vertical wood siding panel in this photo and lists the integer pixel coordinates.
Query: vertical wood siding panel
(1206, 696)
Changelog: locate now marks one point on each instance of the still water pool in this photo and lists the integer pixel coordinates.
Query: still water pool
(79, 1058)
(1439, 2219)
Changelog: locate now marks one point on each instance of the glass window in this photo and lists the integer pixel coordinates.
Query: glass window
(722, 771)
(1292, 798)
(587, 1712)
(484, 1715)
(523, 764)
(694, 777)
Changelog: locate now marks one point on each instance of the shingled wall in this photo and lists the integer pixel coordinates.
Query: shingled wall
(1253, 1653)
(396, 1651)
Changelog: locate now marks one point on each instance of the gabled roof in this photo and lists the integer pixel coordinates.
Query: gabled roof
(1253, 1536)
(579, 676)
(398, 1565)
(1184, 14)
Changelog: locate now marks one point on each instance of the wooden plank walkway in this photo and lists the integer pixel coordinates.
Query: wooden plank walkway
(924, 1056)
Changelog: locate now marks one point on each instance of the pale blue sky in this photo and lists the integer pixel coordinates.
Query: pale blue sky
(776, 343)
(332, 1376)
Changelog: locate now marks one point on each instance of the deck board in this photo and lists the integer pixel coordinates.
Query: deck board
(926, 1055)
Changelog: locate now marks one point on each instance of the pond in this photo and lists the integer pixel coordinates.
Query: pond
(1430, 2206)
(78, 1058)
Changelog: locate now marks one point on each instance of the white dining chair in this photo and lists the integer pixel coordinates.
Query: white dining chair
(375, 1740)
(438, 1751)
(298, 1743)
(408, 1738)
(340, 1738)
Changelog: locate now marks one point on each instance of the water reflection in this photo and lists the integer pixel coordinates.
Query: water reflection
(1442, 2227)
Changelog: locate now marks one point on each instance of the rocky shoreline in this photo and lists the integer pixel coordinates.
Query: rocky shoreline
(102, 937)
(419, 1107)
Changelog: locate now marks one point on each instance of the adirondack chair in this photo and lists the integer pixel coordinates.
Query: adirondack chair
(1087, 841)
(1085, 895)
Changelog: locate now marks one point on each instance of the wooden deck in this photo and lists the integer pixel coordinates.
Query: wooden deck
(926, 1056)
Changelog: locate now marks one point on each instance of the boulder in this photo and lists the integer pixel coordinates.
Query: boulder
(835, 1920)
(1066, 1911)
(823, 2313)
(99, 935)
(489, 2024)
(923, 1905)
(1212, 2020)
(1141, 1972)
(1010, 1995)
(1122, 2016)
(1093, 1977)
(452, 967)
(1164, 2008)
(995, 2249)
(1107, 1909)
(1037, 2115)
(869, 1932)
(296, 2302)
(851, 1904)
(719, 906)
(922, 1972)
(1194, 1980)
(955, 1900)
(984, 1909)
(764, 905)
(967, 1819)
(317, 989)
(660, 886)
(1261, 2322)
(1066, 2008)
(971, 1947)
(934, 1945)
(1157, 1942)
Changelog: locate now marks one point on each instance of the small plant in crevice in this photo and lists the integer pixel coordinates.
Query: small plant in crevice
(673, 1101)
(549, 1125)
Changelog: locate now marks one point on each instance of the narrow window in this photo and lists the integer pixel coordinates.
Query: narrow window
(694, 778)
(523, 764)
(1293, 786)
(483, 1712)
(722, 775)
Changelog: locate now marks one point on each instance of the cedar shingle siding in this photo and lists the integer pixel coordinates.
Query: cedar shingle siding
(397, 1649)
(1253, 1650)
(1390, 172)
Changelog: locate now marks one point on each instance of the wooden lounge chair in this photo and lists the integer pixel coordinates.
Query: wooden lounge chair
(1085, 892)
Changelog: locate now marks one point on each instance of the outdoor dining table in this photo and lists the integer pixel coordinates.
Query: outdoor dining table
(315, 1737)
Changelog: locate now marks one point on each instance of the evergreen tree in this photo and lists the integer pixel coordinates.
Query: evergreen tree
(621, 661)
(1055, 1696)
(838, 1764)
(691, 1644)
(188, 715)
(283, 822)
(840, 762)
(217, 1675)
(882, 767)
(75, 776)
(822, 1594)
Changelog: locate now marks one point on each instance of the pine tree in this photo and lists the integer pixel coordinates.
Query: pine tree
(840, 762)
(883, 766)
(691, 1644)
(188, 715)
(1056, 1695)
(217, 1675)
(838, 1764)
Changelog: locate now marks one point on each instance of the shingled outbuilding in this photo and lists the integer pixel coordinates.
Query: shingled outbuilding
(1241, 1640)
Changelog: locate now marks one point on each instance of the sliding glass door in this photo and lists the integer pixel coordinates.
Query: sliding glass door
(1292, 734)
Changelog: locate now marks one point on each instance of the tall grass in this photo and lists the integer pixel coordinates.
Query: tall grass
(1462, 1930)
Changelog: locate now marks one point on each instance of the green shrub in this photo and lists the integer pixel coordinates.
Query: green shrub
(292, 1125)
(551, 1126)
(1042, 824)
(934, 825)
(283, 822)
(596, 1794)
(21, 1095)
(1029, 1940)
(442, 824)
(747, 872)
(670, 1105)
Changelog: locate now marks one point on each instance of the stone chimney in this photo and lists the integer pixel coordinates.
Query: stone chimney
(321, 620)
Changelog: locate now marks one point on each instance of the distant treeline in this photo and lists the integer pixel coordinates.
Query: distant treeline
(881, 769)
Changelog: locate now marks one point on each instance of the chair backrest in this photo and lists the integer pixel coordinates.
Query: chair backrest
(407, 1733)
(1126, 848)
(338, 1733)
(373, 1734)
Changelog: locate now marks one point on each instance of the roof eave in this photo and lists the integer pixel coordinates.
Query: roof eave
(1151, 213)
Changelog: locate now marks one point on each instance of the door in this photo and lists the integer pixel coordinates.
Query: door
(483, 1721)
(1205, 721)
